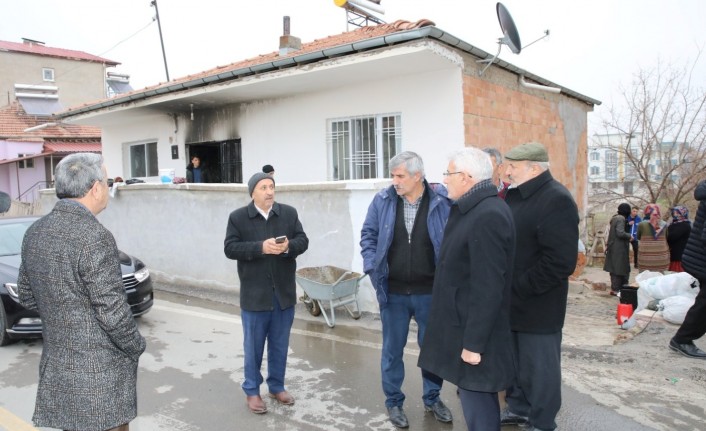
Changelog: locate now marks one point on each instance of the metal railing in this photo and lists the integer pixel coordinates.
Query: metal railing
(33, 189)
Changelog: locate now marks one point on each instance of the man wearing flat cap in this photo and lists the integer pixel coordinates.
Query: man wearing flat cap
(265, 237)
(546, 228)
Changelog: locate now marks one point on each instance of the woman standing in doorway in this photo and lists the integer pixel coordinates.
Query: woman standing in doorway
(196, 172)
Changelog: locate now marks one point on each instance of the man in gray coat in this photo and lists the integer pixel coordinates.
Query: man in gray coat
(70, 274)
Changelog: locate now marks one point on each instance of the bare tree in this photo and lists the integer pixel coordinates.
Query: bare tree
(662, 130)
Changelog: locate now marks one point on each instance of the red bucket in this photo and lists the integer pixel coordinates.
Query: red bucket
(624, 312)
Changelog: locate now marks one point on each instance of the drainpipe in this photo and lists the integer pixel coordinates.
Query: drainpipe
(41, 126)
(526, 84)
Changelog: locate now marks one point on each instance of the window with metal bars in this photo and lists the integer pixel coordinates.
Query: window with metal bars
(361, 147)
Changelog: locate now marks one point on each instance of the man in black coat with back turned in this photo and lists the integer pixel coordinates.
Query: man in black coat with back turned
(468, 339)
(546, 223)
(694, 262)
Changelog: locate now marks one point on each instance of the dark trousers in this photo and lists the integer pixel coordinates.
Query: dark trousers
(481, 410)
(271, 326)
(536, 392)
(618, 281)
(396, 316)
(635, 246)
(694, 326)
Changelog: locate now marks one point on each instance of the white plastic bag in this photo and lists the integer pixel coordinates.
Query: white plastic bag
(675, 308)
(646, 275)
(675, 284)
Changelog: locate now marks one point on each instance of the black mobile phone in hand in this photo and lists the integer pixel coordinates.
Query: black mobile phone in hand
(280, 239)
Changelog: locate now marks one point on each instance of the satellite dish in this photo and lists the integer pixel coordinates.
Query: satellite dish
(507, 25)
(511, 37)
(5, 202)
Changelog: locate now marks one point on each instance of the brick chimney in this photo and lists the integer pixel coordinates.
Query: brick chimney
(287, 42)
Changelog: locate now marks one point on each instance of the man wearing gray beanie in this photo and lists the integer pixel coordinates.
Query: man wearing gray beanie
(265, 237)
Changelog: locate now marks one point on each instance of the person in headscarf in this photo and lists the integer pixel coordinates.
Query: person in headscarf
(679, 232)
(653, 254)
(617, 258)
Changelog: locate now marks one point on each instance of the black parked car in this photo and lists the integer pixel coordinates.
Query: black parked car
(18, 322)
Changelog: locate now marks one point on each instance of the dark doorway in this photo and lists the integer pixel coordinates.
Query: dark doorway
(231, 161)
(222, 160)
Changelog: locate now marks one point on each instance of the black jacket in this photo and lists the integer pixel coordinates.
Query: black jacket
(471, 296)
(205, 177)
(694, 258)
(546, 222)
(260, 274)
(677, 236)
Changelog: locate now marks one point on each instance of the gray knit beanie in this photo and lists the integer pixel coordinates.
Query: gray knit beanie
(259, 176)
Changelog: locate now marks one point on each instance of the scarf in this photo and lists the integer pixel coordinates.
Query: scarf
(654, 218)
(680, 214)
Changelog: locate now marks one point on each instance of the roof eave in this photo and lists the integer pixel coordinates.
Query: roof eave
(336, 51)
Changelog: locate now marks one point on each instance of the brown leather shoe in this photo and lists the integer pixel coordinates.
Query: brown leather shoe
(283, 398)
(256, 405)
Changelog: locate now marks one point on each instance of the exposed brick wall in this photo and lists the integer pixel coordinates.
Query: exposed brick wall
(499, 113)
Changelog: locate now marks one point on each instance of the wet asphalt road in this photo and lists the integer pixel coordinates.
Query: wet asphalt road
(189, 379)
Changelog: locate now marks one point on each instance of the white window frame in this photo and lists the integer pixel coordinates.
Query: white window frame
(595, 170)
(27, 163)
(148, 162)
(595, 156)
(361, 147)
(47, 74)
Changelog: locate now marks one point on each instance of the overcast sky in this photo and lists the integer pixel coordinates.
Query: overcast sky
(593, 48)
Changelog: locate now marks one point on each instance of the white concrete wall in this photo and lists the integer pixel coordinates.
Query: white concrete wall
(178, 230)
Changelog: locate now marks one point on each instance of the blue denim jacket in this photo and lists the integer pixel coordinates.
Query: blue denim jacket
(379, 226)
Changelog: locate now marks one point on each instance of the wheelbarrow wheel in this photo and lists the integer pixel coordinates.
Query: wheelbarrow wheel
(314, 308)
(311, 305)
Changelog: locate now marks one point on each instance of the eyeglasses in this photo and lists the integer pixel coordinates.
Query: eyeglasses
(447, 173)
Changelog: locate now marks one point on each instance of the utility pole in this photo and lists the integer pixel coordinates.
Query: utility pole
(161, 40)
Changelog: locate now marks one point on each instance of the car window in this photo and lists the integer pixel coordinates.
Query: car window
(11, 235)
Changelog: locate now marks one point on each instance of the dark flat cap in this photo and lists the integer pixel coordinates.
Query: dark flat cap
(531, 151)
(256, 178)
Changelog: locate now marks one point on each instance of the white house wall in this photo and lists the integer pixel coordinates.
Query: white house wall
(290, 133)
(117, 139)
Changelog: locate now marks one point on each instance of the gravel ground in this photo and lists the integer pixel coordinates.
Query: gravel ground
(632, 371)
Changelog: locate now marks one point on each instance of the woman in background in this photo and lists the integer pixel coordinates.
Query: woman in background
(617, 254)
(653, 254)
(679, 232)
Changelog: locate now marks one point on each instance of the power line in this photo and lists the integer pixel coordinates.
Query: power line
(80, 65)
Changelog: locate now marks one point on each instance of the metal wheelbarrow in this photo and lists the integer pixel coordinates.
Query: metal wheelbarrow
(332, 286)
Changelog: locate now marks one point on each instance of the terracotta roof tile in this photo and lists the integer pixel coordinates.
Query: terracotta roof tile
(67, 147)
(39, 49)
(345, 38)
(13, 122)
